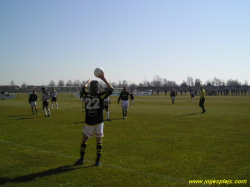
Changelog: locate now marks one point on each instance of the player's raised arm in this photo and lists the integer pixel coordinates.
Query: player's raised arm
(87, 83)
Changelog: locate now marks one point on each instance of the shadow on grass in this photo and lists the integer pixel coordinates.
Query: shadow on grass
(79, 122)
(103, 120)
(31, 177)
(114, 119)
(191, 114)
(17, 116)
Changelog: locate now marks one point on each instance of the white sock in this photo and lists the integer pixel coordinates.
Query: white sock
(45, 111)
(56, 105)
(52, 106)
(107, 114)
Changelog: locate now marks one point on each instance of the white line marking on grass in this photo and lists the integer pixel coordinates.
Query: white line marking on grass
(172, 179)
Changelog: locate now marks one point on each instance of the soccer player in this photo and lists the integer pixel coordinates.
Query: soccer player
(32, 101)
(94, 117)
(82, 97)
(192, 94)
(172, 95)
(106, 103)
(125, 103)
(202, 99)
(53, 96)
(132, 98)
(46, 97)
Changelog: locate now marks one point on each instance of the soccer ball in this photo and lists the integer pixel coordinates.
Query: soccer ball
(98, 72)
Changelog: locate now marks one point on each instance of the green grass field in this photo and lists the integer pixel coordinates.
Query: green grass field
(160, 144)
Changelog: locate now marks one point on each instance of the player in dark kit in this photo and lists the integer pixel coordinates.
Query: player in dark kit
(32, 101)
(94, 117)
(53, 96)
(46, 97)
(124, 96)
(106, 103)
(172, 95)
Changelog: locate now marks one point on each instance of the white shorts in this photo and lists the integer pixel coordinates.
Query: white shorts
(82, 99)
(173, 98)
(33, 103)
(89, 130)
(125, 104)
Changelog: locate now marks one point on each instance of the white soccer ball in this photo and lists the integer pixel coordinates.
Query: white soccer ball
(98, 72)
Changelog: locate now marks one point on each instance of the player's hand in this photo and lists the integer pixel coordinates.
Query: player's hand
(101, 76)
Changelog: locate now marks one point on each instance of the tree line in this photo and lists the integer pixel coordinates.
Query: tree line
(157, 82)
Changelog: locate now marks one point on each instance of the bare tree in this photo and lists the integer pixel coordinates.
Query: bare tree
(51, 83)
(233, 83)
(124, 83)
(184, 85)
(69, 83)
(23, 86)
(61, 83)
(197, 83)
(77, 83)
(12, 83)
(188, 81)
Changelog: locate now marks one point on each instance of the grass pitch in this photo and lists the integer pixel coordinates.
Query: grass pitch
(160, 144)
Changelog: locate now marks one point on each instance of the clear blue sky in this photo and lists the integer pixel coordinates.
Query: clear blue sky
(44, 40)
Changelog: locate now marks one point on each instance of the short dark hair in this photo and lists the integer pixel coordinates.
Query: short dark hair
(94, 86)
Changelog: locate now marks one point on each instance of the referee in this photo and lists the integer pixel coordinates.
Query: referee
(202, 99)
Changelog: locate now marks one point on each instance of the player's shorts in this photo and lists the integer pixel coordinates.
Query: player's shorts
(89, 130)
(125, 104)
(106, 107)
(54, 99)
(192, 95)
(33, 103)
(173, 98)
(45, 103)
(82, 99)
(132, 97)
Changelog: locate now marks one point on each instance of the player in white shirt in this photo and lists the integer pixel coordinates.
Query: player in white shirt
(106, 103)
(46, 97)
(53, 96)
(192, 95)
(132, 98)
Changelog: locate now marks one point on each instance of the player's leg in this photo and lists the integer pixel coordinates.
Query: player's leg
(36, 110)
(98, 150)
(123, 110)
(47, 108)
(44, 109)
(49, 114)
(107, 113)
(32, 110)
(56, 105)
(86, 130)
(126, 109)
(52, 104)
(201, 104)
(99, 135)
(83, 148)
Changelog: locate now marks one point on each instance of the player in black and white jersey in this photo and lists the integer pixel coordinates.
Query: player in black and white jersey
(106, 103)
(46, 97)
(53, 96)
(172, 95)
(82, 97)
(192, 94)
(124, 96)
(132, 97)
(32, 101)
(94, 117)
